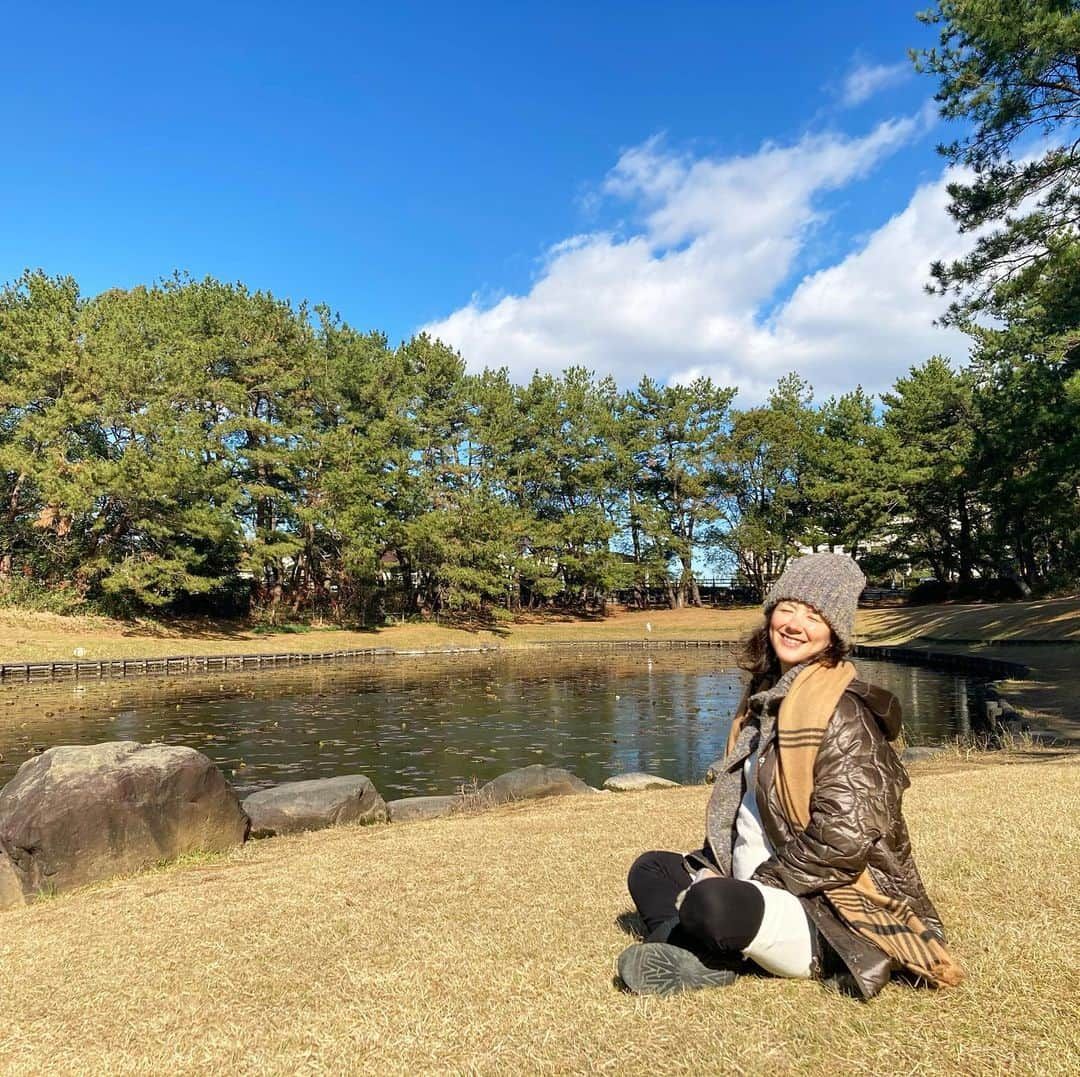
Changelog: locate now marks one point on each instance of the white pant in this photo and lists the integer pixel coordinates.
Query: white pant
(782, 944)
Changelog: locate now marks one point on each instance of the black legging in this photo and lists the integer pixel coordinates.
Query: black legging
(719, 914)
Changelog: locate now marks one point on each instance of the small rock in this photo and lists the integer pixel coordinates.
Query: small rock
(409, 809)
(915, 753)
(636, 781)
(314, 805)
(529, 783)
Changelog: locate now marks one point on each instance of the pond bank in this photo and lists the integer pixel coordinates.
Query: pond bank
(486, 944)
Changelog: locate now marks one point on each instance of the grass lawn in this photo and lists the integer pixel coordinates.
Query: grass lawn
(486, 944)
(42, 637)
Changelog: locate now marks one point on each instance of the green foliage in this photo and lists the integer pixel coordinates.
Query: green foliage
(677, 435)
(931, 421)
(1008, 69)
(1026, 445)
(766, 466)
(190, 445)
(24, 593)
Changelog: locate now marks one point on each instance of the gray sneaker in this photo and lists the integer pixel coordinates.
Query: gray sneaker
(658, 968)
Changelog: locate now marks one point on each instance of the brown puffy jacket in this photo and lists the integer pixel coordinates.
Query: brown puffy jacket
(855, 823)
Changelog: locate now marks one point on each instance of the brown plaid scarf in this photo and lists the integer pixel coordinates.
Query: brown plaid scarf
(889, 923)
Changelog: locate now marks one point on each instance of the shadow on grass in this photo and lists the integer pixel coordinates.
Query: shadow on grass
(1057, 754)
(561, 616)
(1039, 619)
(467, 621)
(208, 628)
(630, 923)
(473, 621)
(205, 628)
(189, 628)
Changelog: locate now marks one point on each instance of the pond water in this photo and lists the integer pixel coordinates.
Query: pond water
(428, 724)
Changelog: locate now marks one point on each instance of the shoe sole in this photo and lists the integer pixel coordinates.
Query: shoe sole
(658, 968)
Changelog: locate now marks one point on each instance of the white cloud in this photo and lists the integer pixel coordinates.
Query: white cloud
(866, 319)
(865, 80)
(688, 292)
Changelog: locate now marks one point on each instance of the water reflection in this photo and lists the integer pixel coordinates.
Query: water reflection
(424, 724)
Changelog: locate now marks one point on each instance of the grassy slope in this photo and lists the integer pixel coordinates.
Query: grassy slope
(44, 637)
(486, 944)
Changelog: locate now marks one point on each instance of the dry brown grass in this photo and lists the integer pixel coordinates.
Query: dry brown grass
(486, 944)
(34, 637)
(1052, 619)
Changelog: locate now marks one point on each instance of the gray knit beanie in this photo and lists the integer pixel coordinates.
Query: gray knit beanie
(830, 582)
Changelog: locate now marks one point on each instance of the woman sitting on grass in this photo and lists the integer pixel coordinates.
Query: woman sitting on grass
(807, 868)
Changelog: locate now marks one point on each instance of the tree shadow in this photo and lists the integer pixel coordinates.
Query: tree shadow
(1048, 619)
(561, 616)
(471, 622)
(189, 628)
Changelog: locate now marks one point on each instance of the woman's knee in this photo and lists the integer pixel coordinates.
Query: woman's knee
(653, 865)
(726, 913)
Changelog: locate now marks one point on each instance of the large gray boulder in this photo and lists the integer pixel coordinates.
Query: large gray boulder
(529, 783)
(410, 809)
(635, 781)
(314, 805)
(78, 814)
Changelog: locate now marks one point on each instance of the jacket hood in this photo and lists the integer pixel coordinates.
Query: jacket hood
(882, 704)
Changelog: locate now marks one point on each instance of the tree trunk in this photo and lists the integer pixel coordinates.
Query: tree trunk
(674, 595)
(688, 585)
(964, 515)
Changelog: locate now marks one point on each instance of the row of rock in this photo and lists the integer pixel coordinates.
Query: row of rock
(1007, 722)
(79, 814)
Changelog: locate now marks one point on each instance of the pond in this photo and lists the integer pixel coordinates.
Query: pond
(429, 724)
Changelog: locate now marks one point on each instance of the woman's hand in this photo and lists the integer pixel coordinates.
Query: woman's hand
(696, 877)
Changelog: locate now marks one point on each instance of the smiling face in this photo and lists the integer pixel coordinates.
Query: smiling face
(797, 633)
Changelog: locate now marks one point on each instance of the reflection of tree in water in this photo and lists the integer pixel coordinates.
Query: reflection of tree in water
(428, 724)
(937, 705)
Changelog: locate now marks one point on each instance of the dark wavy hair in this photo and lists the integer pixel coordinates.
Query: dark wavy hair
(757, 657)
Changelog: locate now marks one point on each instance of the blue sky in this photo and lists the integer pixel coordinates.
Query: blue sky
(668, 189)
